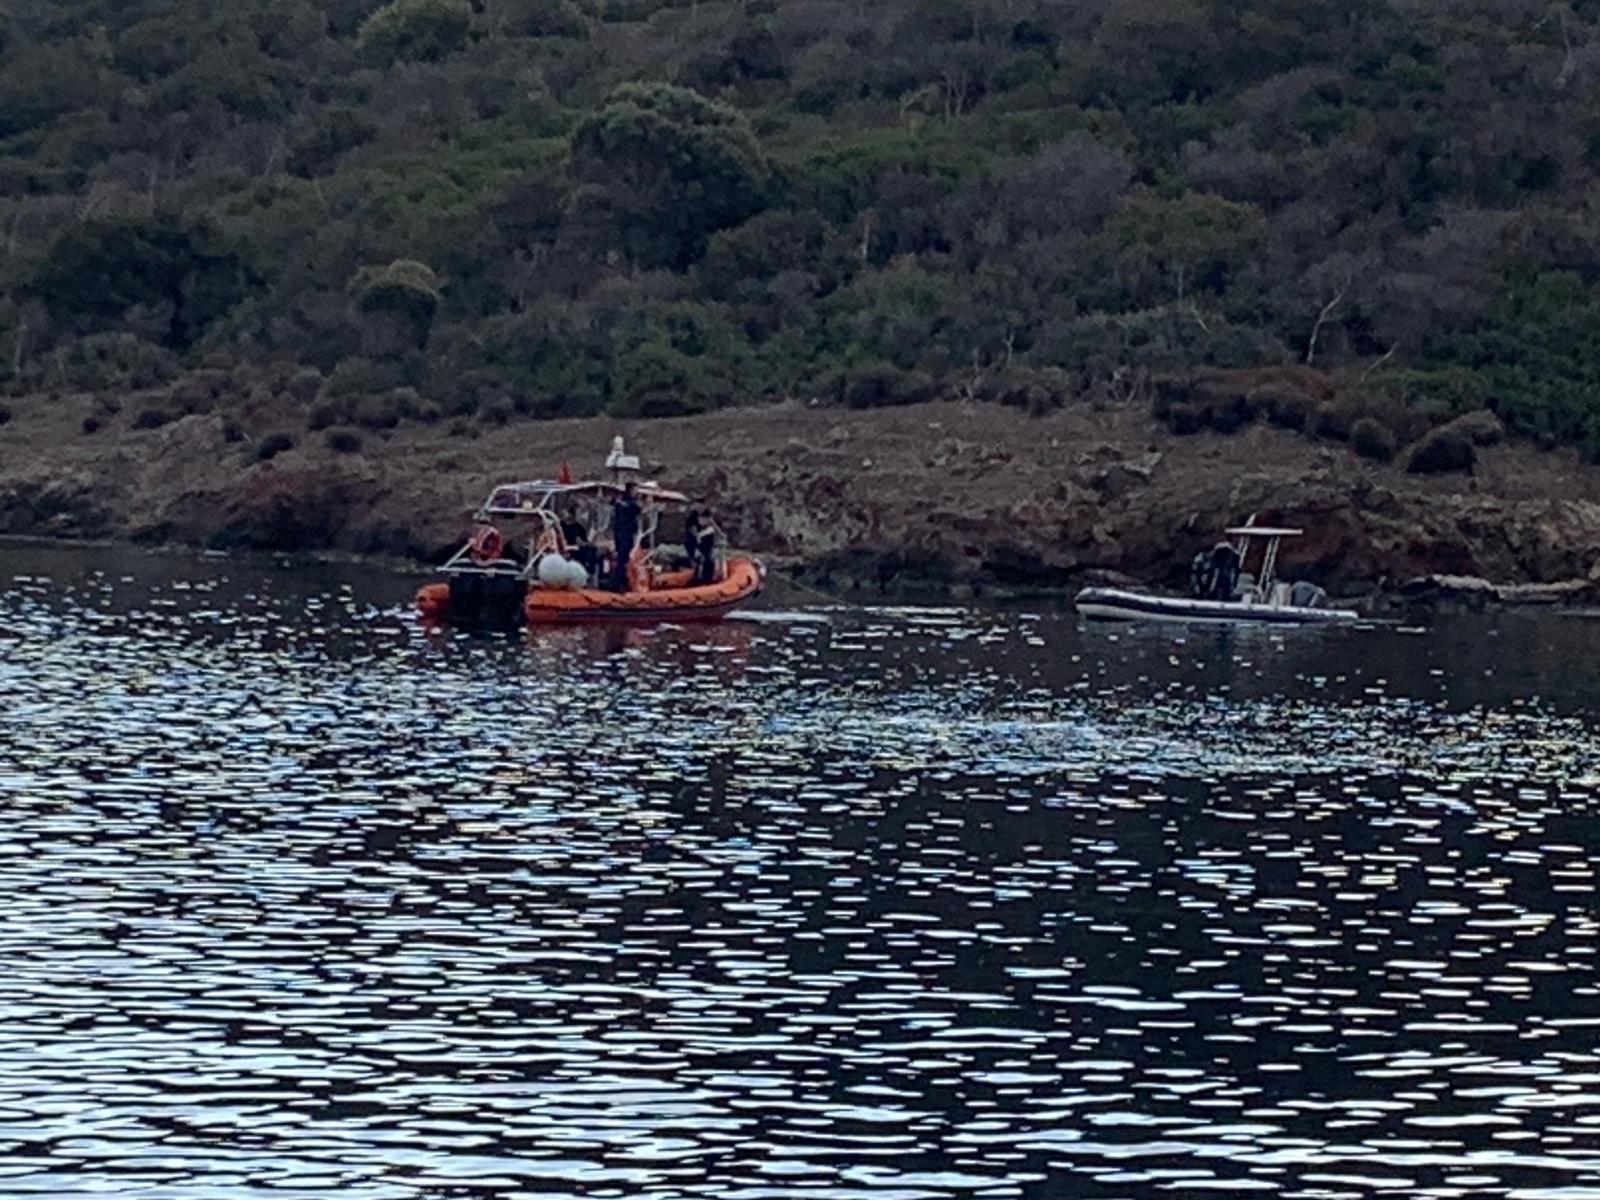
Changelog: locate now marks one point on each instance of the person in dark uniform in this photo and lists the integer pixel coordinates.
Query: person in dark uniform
(1225, 564)
(579, 548)
(691, 539)
(705, 561)
(624, 535)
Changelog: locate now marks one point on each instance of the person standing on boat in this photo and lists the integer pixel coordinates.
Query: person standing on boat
(691, 540)
(578, 547)
(705, 556)
(624, 535)
(1225, 564)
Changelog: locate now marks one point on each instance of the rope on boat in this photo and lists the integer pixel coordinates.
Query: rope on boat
(806, 587)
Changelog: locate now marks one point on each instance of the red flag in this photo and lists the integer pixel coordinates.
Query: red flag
(566, 473)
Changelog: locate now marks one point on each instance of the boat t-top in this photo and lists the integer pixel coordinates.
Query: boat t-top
(1222, 589)
(543, 552)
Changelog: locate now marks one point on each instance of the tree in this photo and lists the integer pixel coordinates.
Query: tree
(398, 302)
(1194, 243)
(674, 166)
(417, 30)
(96, 272)
(45, 83)
(537, 18)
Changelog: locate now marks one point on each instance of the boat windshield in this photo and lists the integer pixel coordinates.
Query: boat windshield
(518, 499)
(539, 513)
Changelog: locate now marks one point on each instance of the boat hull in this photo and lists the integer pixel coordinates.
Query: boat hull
(741, 582)
(1114, 604)
(674, 598)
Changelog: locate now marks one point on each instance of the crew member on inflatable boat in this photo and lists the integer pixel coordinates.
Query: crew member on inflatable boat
(1214, 574)
(624, 535)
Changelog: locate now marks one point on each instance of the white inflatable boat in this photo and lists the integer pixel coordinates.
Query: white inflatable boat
(1224, 593)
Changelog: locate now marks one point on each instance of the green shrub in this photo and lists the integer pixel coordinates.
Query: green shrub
(677, 371)
(1226, 412)
(1438, 395)
(97, 272)
(1371, 440)
(361, 377)
(1185, 418)
(1443, 450)
(389, 409)
(1035, 391)
(1539, 350)
(1196, 401)
(1334, 419)
(327, 413)
(880, 385)
(5, 415)
(305, 384)
(417, 30)
(664, 168)
(405, 286)
(115, 361)
(1284, 406)
(344, 441)
(93, 424)
(543, 18)
(335, 132)
(199, 391)
(1203, 235)
(398, 302)
(1482, 426)
(273, 445)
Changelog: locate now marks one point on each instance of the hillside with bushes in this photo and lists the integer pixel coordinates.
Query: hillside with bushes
(1361, 219)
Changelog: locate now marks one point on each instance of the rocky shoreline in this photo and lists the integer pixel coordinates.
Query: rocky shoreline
(954, 497)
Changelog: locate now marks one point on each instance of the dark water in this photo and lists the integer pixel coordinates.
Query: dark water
(298, 901)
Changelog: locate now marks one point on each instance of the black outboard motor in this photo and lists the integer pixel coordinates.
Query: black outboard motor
(487, 601)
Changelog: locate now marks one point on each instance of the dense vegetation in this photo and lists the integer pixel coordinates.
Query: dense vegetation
(547, 207)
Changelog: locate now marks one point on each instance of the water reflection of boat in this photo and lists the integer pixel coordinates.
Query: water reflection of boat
(1223, 590)
(537, 556)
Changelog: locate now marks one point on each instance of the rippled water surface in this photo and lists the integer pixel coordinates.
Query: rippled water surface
(298, 900)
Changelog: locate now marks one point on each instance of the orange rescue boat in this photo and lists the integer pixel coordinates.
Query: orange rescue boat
(538, 555)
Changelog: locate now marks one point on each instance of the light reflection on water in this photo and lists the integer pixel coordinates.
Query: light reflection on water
(299, 900)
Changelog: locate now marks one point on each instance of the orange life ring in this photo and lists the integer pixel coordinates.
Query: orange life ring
(487, 545)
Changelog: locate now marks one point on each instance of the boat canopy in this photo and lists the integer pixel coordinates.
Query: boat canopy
(1262, 531)
(521, 499)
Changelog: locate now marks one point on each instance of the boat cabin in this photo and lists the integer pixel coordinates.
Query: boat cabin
(518, 522)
